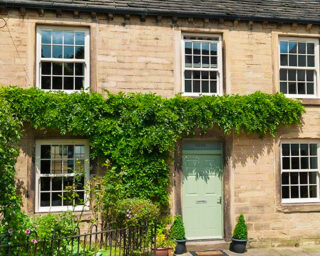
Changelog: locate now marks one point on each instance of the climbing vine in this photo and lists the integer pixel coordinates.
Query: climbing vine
(133, 132)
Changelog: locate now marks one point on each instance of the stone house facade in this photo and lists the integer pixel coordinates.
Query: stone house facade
(193, 48)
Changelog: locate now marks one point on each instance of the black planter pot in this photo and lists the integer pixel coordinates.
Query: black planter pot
(238, 246)
(180, 247)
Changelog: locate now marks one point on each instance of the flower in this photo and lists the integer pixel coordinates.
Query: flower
(28, 231)
(36, 226)
(10, 230)
(34, 241)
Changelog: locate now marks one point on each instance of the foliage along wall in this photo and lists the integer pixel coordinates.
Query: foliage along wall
(134, 133)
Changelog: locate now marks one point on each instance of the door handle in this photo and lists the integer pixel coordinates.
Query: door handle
(220, 200)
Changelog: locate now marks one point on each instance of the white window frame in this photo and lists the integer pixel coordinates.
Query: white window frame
(219, 70)
(86, 60)
(315, 68)
(38, 175)
(300, 200)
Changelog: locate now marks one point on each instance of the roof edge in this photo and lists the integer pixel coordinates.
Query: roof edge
(152, 12)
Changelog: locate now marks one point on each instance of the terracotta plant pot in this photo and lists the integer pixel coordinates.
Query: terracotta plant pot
(164, 251)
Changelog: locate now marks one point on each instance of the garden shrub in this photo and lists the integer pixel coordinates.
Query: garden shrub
(132, 212)
(240, 231)
(177, 231)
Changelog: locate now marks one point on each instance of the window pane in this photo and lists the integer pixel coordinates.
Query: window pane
(304, 192)
(68, 183)
(56, 199)
(79, 83)
(295, 163)
(46, 37)
(57, 83)
(292, 88)
(79, 38)
(196, 86)
(80, 69)
(284, 47)
(44, 199)
(56, 151)
(213, 49)
(68, 83)
(283, 88)
(293, 60)
(46, 51)
(214, 62)
(304, 163)
(205, 61)
(309, 75)
(284, 59)
(79, 198)
(45, 166)
(303, 178)
(313, 163)
(302, 48)
(294, 192)
(68, 52)
(79, 180)
(45, 151)
(286, 163)
(196, 48)
(196, 61)
(304, 149)
(57, 37)
(285, 178)
(283, 74)
(57, 68)
(205, 86)
(292, 75)
(301, 88)
(301, 75)
(313, 191)
(294, 178)
(57, 184)
(313, 178)
(188, 86)
(310, 88)
(45, 184)
(188, 61)
(188, 47)
(301, 60)
(313, 149)
(46, 82)
(57, 51)
(46, 68)
(294, 149)
(70, 166)
(205, 49)
(213, 87)
(68, 199)
(68, 38)
(79, 52)
(56, 166)
(310, 61)
(310, 47)
(285, 192)
(285, 149)
(68, 69)
(292, 47)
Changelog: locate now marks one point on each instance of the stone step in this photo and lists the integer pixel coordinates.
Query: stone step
(206, 245)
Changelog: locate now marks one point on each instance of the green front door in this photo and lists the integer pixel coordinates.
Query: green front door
(202, 190)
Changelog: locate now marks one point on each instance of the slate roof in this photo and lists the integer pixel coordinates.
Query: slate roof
(300, 11)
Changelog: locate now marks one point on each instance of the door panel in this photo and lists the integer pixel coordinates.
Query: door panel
(202, 193)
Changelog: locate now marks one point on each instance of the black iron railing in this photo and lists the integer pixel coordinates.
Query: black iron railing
(128, 241)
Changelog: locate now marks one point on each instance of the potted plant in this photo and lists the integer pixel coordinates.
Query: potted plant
(177, 233)
(239, 236)
(164, 244)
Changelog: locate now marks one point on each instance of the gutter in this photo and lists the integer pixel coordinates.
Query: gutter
(150, 12)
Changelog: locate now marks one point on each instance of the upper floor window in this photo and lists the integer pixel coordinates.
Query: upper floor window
(299, 67)
(202, 65)
(62, 58)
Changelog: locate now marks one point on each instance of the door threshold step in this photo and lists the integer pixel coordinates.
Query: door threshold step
(206, 245)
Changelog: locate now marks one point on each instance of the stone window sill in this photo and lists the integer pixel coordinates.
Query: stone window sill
(310, 102)
(296, 208)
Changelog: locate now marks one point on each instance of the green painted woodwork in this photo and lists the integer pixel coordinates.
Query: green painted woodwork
(202, 190)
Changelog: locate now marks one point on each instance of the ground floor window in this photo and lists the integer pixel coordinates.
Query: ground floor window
(62, 168)
(299, 172)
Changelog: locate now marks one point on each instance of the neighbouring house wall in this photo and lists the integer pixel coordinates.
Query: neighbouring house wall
(135, 56)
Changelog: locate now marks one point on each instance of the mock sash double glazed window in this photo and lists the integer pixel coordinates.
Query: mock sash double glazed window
(62, 58)
(299, 66)
(62, 168)
(299, 172)
(202, 65)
